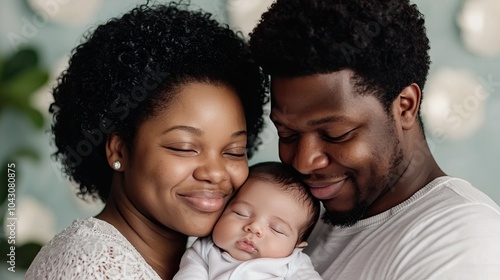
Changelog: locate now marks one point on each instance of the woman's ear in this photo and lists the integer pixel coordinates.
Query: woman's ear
(302, 244)
(407, 105)
(115, 152)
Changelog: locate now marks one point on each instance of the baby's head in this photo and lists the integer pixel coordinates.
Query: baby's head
(272, 214)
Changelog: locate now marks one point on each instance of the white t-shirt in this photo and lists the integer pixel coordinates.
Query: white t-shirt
(90, 249)
(204, 260)
(446, 230)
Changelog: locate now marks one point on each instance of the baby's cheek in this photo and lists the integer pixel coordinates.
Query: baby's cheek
(220, 234)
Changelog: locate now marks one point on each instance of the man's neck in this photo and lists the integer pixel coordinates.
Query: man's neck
(418, 169)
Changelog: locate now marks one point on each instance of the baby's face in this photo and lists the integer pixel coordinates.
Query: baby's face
(262, 221)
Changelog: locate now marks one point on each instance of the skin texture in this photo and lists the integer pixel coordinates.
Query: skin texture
(358, 159)
(255, 226)
(180, 172)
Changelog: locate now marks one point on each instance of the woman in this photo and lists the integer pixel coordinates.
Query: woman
(155, 116)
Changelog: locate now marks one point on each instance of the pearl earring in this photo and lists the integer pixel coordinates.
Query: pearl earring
(117, 165)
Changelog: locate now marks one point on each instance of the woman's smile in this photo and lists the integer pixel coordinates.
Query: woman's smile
(205, 201)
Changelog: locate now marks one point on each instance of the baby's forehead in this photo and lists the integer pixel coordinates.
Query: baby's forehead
(267, 185)
(246, 195)
(291, 189)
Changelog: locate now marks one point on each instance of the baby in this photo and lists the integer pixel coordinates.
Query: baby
(261, 233)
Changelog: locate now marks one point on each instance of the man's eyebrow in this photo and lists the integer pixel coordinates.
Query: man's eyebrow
(321, 121)
(328, 119)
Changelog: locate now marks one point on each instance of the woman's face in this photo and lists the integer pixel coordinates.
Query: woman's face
(188, 160)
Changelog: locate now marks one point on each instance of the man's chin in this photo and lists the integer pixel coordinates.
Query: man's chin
(345, 218)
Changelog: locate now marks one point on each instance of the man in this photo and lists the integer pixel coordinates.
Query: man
(347, 79)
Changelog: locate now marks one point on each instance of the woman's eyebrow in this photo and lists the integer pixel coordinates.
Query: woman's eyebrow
(190, 129)
(199, 132)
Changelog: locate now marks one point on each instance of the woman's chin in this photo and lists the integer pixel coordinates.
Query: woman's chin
(200, 229)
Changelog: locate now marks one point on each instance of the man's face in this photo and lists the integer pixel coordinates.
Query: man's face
(345, 143)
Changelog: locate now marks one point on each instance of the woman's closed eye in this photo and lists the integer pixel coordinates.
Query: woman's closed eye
(181, 149)
(239, 152)
(183, 152)
(237, 155)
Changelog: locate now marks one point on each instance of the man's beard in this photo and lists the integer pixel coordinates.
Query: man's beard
(349, 218)
(346, 218)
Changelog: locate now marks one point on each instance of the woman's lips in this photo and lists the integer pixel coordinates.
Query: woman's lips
(205, 201)
(326, 190)
(246, 245)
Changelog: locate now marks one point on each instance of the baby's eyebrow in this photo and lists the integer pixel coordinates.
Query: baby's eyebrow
(238, 201)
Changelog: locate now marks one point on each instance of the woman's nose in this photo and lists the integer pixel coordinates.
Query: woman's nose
(213, 170)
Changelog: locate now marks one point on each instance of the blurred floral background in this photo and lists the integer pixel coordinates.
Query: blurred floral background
(461, 101)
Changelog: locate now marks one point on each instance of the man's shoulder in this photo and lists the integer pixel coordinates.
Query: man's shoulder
(450, 194)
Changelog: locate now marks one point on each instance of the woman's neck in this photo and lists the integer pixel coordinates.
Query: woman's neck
(161, 247)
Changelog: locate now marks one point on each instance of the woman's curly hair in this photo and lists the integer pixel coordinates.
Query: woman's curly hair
(129, 68)
(383, 42)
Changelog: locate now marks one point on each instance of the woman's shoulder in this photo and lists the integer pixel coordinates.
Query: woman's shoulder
(89, 248)
(85, 234)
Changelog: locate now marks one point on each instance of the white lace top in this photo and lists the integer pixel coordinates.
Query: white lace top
(90, 249)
